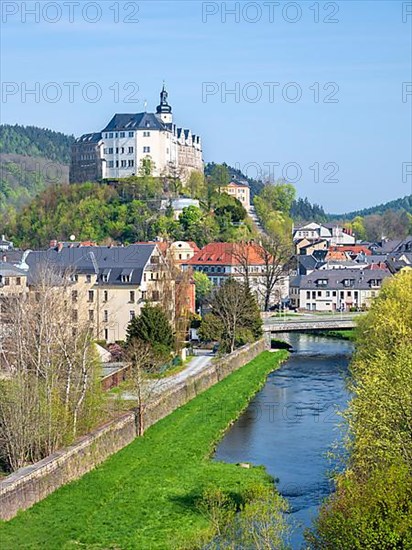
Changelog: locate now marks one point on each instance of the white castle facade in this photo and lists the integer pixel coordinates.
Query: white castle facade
(119, 150)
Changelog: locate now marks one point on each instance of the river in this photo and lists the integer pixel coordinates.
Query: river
(292, 423)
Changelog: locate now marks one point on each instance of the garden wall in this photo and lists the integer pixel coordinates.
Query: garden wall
(29, 485)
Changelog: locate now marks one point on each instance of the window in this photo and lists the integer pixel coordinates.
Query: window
(122, 150)
(105, 296)
(334, 293)
(132, 296)
(131, 134)
(155, 296)
(88, 278)
(130, 150)
(75, 315)
(105, 316)
(106, 135)
(132, 314)
(146, 149)
(110, 164)
(6, 281)
(111, 135)
(122, 134)
(319, 293)
(117, 150)
(313, 295)
(146, 134)
(131, 163)
(117, 164)
(91, 296)
(18, 281)
(327, 294)
(105, 150)
(124, 164)
(106, 334)
(91, 314)
(74, 295)
(110, 150)
(308, 294)
(144, 294)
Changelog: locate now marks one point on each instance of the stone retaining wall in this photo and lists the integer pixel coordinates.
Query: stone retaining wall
(29, 485)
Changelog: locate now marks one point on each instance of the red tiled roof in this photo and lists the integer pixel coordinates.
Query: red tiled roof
(227, 254)
(355, 249)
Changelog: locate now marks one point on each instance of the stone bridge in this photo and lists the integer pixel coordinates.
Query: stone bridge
(302, 325)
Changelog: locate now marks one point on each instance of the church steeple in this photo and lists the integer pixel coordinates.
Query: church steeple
(164, 110)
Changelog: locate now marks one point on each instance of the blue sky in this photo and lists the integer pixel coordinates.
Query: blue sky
(347, 153)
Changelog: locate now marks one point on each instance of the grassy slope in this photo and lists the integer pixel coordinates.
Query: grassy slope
(143, 497)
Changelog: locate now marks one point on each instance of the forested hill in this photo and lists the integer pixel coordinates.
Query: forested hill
(398, 204)
(31, 141)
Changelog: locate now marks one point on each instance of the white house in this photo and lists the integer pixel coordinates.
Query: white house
(336, 289)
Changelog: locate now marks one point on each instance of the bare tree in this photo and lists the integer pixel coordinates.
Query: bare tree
(50, 390)
(236, 308)
(272, 258)
(276, 255)
(143, 364)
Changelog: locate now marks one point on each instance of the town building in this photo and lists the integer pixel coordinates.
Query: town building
(129, 139)
(332, 233)
(240, 191)
(220, 261)
(337, 289)
(108, 285)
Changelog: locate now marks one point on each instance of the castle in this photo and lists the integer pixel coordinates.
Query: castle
(119, 150)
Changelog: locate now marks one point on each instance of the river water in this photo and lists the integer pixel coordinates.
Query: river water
(292, 423)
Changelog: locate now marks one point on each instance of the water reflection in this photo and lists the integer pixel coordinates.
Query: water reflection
(293, 421)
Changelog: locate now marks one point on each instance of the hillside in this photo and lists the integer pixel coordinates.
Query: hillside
(398, 204)
(31, 159)
(31, 141)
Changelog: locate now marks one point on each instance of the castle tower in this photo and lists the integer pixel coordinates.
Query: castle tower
(164, 110)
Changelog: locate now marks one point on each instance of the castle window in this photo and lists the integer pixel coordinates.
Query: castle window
(116, 135)
(131, 134)
(110, 164)
(146, 134)
(110, 135)
(123, 164)
(123, 134)
(130, 150)
(146, 149)
(131, 163)
(110, 150)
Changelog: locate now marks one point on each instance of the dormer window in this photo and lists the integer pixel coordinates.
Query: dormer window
(106, 275)
(348, 282)
(126, 275)
(322, 282)
(375, 282)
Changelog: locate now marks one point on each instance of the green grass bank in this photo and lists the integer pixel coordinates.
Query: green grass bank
(144, 496)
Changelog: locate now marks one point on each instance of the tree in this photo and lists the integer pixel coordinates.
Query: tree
(203, 286)
(237, 310)
(220, 176)
(143, 361)
(196, 184)
(52, 392)
(152, 327)
(371, 507)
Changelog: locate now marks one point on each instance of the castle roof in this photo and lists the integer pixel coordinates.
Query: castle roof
(135, 121)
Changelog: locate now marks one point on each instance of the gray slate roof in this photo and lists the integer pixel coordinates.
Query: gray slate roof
(112, 262)
(135, 122)
(335, 277)
(9, 270)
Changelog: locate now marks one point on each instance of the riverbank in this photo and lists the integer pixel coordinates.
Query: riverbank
(144, 496)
